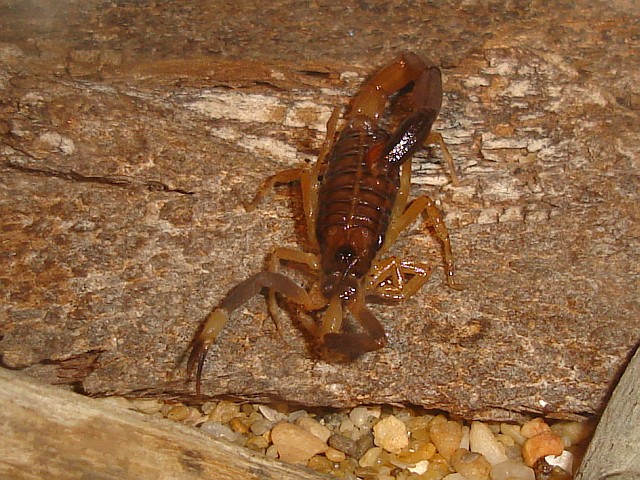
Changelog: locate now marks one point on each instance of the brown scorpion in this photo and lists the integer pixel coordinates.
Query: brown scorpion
(355, 204)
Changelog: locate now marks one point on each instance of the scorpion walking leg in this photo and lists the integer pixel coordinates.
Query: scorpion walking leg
(288, 254)
(435, 137)
(388, 278)
(238, 296)
(427, 207)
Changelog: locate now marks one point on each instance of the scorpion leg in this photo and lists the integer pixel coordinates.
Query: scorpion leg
(288, 254)
(426, 206)
(236, 297)
(309, 182)
(388, 279)
(435, 137)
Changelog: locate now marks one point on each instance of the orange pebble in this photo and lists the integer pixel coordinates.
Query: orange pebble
(540, 446)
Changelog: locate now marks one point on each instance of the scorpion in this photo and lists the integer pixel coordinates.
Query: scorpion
(355, 201)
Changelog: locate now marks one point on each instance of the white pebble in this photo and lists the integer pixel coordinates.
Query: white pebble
(271, 414)
(482, 440)
(359, 416)
(564, 460)
(420, 467)
(219, 431)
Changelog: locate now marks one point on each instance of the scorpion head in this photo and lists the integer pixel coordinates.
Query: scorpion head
(343, 269)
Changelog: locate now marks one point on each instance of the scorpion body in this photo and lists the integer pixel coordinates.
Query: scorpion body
(355, 202)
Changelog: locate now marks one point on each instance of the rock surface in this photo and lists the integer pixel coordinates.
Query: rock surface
(129, 135)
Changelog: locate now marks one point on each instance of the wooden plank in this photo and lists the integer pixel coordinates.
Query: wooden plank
(614, 451)
(51, 433)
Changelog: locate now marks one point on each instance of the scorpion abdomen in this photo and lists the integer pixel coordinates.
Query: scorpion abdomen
(356, 197)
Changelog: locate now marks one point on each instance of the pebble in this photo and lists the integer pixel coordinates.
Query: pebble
(370, 458)
(534, 427)
(540, 446)
(391, 434)
(446, 436)
(471, 464)
(363, 417)
(564, 461)
(482, 440)
(294, 444)
(454, 476)
(573, 432)
(513, 431)
(344, 444)
(224, 411)
(148, 406)
(511, 470)
(335, 455)
(177, 413)
(314, 428)
(261, 426)
(219, 431)
(365, 443)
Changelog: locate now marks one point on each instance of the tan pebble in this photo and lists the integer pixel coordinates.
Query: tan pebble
(417, 453)
(178, 413)
(464, 443)
(272, 451)
(437, 419)
(512, 470)
(418, 427)
(513, 431)
(258, 443)
(224, 411)
(335, 455)
(454, 476)
(540, 446)
(294, 444)
(482, 440)
(471, 464)
(438, 468)
(506, 440)
(321, 464)
(208, 407)
(239, 425)
(573, 432)
(534, 427)
(446, 436)
(370, 457)
(314, 427)
(116, 401)
(391, 434)
(148, 406)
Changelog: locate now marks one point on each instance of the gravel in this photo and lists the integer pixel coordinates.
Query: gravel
(387, 443)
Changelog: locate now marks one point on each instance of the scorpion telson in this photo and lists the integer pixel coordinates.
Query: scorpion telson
(355, 204)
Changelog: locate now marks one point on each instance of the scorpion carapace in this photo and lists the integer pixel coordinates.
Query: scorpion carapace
(355, 203)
